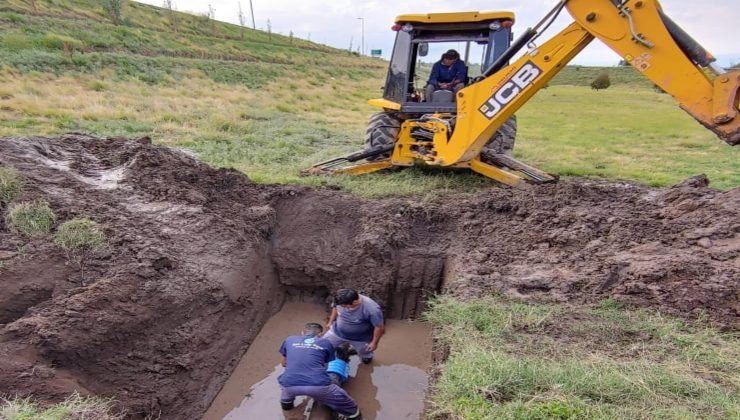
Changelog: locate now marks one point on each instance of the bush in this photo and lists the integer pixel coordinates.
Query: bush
(114, 10)
(33, 219)
(80, 238)
(60, 42)
(601, 82)
(15, 41)
(11, 184)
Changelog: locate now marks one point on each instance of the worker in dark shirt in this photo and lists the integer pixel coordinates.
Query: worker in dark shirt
(449, 73)
(305, 358)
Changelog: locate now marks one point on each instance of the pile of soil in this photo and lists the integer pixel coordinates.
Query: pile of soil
(199, 258)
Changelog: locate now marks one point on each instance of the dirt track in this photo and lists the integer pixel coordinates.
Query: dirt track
(200, 258)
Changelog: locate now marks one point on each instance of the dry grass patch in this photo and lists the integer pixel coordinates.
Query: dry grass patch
(11, 184)
(34, 219)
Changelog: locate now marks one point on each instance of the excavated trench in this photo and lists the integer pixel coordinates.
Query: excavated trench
(311, 257)
(200, 260)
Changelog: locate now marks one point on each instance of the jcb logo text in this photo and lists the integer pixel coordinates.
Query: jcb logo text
(510, 90)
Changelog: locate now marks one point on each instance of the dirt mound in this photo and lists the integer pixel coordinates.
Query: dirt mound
(199, 259)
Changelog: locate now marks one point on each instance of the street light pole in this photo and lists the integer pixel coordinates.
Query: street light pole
(251, 9)
(363, 34)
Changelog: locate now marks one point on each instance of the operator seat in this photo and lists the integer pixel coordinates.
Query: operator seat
(443, 95)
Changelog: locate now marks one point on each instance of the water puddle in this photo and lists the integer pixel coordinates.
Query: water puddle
(392, 387)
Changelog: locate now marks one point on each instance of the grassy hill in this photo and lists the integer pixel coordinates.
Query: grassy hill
(270, 105)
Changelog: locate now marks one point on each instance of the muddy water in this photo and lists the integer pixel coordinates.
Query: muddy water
(392, 387)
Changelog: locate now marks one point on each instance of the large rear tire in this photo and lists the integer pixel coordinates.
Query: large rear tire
(382, 130)
(503, 140)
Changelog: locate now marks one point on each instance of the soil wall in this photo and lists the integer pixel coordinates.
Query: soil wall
(200, 258)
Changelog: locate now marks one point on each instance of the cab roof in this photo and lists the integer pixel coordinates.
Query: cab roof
(456, 17)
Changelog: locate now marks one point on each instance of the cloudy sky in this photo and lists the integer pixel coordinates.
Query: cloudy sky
(714, 23)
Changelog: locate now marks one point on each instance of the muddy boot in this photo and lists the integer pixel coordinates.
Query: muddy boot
(367, 360)
(356, 416)
(286, 405)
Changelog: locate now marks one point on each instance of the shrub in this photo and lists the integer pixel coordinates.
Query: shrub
(601, 82)
(33, 219)
(11, 184)
(15, 41)
(80, 238)
(114, 10)
(97, 86)
(60, 42)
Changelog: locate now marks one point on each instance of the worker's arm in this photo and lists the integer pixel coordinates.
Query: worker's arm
(377, 333)
(283, 361)
(434, 75)
(460, 74)
(332, 318)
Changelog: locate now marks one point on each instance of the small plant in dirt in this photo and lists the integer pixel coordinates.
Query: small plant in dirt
(601, 82)
(33, 219)
(11, 184)
(74, 407)
(80, 238)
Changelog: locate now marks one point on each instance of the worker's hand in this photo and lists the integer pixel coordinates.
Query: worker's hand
(371, 346)
(328, 327)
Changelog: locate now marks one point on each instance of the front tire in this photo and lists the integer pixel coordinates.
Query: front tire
(382, 129)
(503, 140)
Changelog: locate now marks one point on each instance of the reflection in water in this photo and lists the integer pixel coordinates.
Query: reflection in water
(263, 400)
(384, 392)
(400, 391)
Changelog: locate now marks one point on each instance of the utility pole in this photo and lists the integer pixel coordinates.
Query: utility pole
(251, 8)
(363, 35)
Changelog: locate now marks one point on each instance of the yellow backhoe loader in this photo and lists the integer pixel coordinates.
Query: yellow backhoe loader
(475, 127)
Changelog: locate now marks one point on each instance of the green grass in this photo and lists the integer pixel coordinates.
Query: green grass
(512, 360)
(34, 219)
(271, 106)
(11, 184)
(79, 235)
(621, 133)
(80, 238)
(74, 407)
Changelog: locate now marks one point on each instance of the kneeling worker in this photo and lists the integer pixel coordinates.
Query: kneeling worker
(358, 320)
(305, 359)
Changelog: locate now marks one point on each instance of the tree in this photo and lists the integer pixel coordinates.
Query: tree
(114, 10)
(290, 36)
(269, 29)
(242, 19)
(601, 82)
(171, 14)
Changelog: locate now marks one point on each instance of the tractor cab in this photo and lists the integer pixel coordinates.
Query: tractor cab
(479, 37)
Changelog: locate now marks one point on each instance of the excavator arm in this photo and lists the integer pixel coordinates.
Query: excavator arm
(637, 30)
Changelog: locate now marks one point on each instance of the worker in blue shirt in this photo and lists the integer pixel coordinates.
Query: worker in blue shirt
(305, 358)
(449, 73)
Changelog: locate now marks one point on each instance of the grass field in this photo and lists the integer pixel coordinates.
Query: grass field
(271, 105)
(510, 360)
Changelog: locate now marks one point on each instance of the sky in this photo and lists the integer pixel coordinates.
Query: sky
(714, 23)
